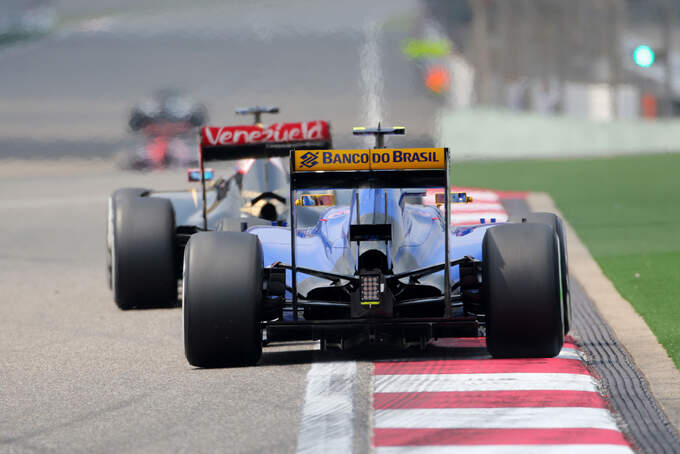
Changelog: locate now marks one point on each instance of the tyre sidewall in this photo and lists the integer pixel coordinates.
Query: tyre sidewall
(521, 290)
(222, 299)
(557, 224)
(143, 252)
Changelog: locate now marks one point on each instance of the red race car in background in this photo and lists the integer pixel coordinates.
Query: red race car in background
(168, 125)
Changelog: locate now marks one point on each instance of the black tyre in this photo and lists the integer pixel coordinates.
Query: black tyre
(141, 250)
(222, 299)
(556, 223)
(110, 219)
(521, 291)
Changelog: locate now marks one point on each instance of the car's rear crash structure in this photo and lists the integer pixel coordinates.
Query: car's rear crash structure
(377, 266)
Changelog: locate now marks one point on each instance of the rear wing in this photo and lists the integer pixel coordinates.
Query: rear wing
(228, 143)
(231, 143)
(378, 167)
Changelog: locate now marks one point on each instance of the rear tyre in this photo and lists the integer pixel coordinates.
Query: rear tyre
(141, 250)
(521, 291)
(110, 219)
(556, 223)
(222, 299)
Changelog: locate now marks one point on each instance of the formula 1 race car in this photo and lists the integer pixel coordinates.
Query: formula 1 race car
(148, 230)
(377, 266)
(167, 125)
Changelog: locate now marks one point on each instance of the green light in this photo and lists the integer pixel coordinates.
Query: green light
(643, 56)
(425, 48)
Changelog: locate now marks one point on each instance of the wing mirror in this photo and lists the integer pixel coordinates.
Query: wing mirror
(315, 200)
(195, 174)
(456, 197)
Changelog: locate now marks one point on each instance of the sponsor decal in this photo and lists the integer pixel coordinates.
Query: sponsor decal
(309, 159)
(375, 159)
(332, 160)
(212, 136)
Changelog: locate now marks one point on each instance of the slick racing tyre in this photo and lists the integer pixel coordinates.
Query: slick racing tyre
(556, 223)
(141, 250)
(110, 220)
(222, 299)
(521, 291)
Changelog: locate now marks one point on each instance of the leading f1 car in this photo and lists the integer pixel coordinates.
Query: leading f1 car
(377, 266)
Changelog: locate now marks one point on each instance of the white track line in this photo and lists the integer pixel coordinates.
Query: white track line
(509, 449)
(328, 412)
(496, 418)
(327, 417)
(483, 382)
(570, 353)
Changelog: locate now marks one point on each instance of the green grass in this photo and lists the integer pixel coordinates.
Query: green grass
(625, 209)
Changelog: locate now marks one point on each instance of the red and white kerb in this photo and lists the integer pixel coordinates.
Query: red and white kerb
(478, 404)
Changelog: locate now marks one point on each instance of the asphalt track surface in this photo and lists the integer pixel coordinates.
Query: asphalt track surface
(77, 374)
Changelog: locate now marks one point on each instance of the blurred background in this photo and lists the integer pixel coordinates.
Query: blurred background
(490, 78)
